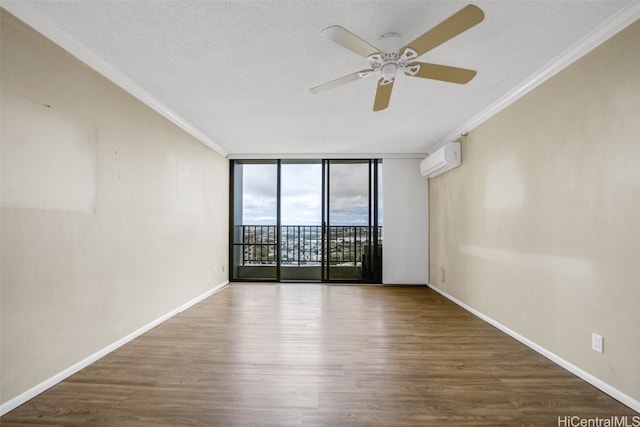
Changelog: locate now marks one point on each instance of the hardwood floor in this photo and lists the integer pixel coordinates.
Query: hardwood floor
(318, 355)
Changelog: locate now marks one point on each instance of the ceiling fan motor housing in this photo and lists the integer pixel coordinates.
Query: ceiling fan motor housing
(388, 64)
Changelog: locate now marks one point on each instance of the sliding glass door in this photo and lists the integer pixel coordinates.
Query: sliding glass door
(254, 221)
(306, 220)
(301, 217)
(349, 219)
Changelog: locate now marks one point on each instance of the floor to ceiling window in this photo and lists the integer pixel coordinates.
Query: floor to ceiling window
(254, 220)
(306, 220)
(301, 220)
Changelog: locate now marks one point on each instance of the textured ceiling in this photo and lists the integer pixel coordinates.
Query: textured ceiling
(239, 71)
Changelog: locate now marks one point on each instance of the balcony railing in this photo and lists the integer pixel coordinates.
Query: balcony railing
(302, 245)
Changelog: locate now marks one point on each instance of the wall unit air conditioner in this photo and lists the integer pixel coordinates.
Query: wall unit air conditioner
(443, 159)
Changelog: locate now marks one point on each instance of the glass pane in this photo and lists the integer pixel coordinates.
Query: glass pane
(303, 248)
(380, 198)
(255, 213)
(349, 216)
(349, 193)
(301, 219)
(373, 270)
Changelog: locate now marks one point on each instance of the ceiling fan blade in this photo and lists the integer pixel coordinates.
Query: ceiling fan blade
(457, 23)
(440, 72)
(383, 95)
(347, 39)
(341, 81)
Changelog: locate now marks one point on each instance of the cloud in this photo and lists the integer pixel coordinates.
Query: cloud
(349, 180)
(301, 179)
(259, 194)
(259, 179)
(301, 194)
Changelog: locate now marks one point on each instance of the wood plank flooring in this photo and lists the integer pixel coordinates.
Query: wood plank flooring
(320, 355)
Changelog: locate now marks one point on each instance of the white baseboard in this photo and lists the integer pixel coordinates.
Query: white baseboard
(50, 382)
(596, 382)
(405, 284)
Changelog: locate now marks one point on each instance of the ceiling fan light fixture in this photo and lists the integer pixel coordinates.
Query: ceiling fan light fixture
(389, 71)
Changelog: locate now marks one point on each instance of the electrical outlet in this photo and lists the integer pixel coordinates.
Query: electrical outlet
(442, 274)
(215, 271)
(597, 343)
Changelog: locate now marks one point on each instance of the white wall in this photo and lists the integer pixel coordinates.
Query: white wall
(405, 205)
(111, 216)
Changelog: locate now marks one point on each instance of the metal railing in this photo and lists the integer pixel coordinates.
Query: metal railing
(302, 245)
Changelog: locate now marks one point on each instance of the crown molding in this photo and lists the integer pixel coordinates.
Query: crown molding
(54, 33)
(345, 156)
(625, 17)
(609, 28)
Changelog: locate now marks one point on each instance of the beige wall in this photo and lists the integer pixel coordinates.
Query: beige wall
(539, 228)
(111, 215)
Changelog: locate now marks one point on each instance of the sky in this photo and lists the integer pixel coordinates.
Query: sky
(301, 192)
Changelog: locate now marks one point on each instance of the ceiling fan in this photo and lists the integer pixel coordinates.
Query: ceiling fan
(387, 65)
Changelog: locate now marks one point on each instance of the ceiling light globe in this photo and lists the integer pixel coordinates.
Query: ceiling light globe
(389, 70)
